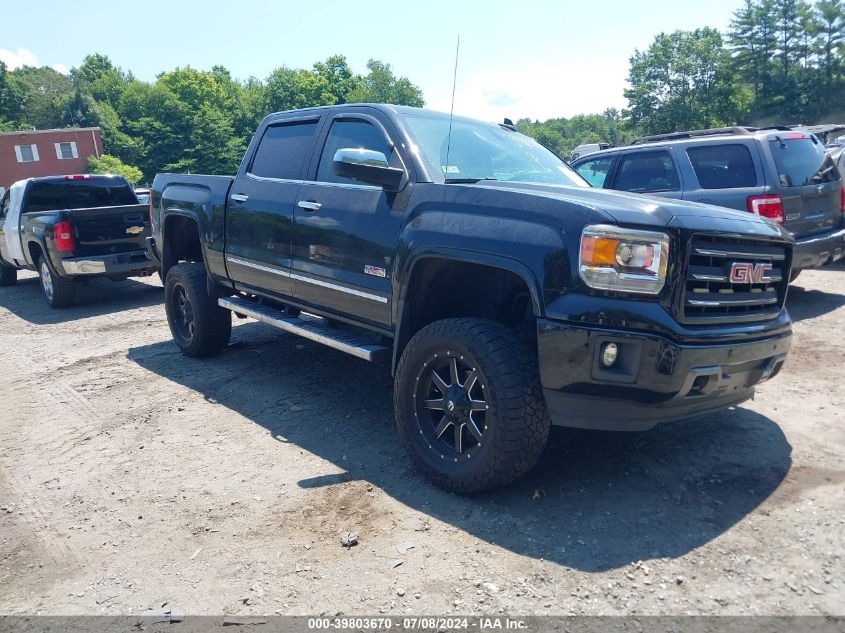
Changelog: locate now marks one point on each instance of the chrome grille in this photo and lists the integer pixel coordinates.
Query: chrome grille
(709, 294)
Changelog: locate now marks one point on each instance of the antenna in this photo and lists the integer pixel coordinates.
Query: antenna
(452, 109)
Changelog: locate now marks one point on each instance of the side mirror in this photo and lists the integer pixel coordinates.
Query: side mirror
(368, 166)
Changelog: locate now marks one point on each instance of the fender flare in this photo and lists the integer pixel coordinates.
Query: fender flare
(459, 255)
(166, 258)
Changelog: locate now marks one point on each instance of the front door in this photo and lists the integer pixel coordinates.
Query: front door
(346, 232)
(259, 221)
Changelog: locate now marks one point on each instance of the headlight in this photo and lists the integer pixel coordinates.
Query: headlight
(623, 260)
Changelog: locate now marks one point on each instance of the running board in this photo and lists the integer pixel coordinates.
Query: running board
(313, 330)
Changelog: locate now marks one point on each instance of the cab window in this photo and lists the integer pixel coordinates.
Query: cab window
(723, 166)
(351, 133)
(595, 171)
(283, 150)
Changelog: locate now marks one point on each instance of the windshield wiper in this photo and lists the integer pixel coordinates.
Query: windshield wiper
(463, 181)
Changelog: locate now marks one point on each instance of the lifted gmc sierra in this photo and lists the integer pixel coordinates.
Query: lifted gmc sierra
(506, 293)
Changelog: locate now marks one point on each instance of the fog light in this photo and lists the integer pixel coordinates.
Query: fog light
(609, 354)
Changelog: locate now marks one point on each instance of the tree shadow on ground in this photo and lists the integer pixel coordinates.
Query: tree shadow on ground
(596, 501)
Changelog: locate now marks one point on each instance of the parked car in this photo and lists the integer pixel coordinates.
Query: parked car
(143, 195)
(779, 173)
(504, 292)
(72, 227)
(587, 148)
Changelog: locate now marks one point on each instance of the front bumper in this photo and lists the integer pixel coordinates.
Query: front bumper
(116, 264)
(654, 379)
(818, 250)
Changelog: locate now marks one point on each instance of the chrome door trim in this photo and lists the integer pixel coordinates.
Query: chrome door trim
(309, 280)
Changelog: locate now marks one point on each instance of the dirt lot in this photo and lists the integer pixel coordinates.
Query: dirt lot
(131, 475)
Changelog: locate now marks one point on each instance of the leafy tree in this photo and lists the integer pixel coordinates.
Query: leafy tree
(11, 100)
(381, 85)
(214, 148)
(39, 89)
(683, 81)
(107, 164)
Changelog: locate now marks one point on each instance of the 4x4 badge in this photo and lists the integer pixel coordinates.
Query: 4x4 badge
(745, 273)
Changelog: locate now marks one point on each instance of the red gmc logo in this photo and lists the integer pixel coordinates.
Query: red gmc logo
(744, 273)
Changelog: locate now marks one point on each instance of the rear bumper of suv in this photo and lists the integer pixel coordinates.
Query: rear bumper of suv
(114, 264)
(653, 380)
(818, 250)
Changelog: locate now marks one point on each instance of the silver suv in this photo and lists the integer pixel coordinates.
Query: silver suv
(779, 173)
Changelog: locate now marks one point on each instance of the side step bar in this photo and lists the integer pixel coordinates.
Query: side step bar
(312, 330)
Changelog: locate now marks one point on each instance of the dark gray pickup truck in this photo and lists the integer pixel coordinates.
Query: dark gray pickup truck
(72, 227)
(505, 294)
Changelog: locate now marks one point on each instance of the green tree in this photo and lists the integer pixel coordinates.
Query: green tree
(40, 88)
(381, 85)
(107, 164)
(683, 81)
(11, 100)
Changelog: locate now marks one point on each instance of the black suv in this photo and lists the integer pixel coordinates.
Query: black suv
(780, 173)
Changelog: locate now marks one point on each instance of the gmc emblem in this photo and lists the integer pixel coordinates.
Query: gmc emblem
(744, 273)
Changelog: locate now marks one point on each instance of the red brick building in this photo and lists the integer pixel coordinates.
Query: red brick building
(32, 153)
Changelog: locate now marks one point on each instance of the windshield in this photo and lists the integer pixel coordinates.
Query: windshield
(483, 151)
(802, 161)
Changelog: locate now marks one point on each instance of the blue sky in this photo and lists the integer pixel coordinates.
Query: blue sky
(530, 59)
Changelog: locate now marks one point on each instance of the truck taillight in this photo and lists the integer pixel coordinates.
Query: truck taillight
(769, 206)
(78, 177)
(151, 208)
(63, 233)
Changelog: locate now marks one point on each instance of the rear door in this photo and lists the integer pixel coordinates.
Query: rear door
(808, 181)
(651, 171)
(259, 216)
(724, 174)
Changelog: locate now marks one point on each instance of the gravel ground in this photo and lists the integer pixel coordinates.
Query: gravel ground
(130, 476)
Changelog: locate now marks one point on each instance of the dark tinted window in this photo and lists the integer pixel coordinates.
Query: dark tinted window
(802, 161)
(647, 171)
(79, 194)
(283, 149)
(595, 171)
(357, 134)
(723, 166)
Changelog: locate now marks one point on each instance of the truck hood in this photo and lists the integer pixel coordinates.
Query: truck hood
(633, 209)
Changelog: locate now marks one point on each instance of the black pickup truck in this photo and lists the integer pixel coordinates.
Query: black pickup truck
(505, 293)
(72, 227)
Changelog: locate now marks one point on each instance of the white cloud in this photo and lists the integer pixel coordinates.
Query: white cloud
(18, 58)
(25, 57)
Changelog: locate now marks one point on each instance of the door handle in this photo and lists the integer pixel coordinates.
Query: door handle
(309, 205)
(238, 197)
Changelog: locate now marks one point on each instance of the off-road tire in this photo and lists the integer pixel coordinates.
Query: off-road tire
(211, 325)
(517, 422)
(8, 276)
(58, 291)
